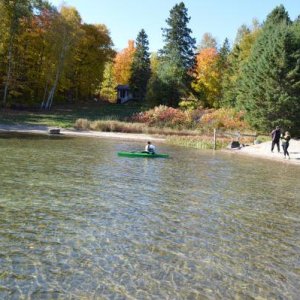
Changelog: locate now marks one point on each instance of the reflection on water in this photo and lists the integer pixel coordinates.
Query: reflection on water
(79, 222)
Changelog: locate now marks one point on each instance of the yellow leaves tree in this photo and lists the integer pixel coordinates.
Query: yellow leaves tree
(207, 75)
(108, 86)
(122, 64)
(68, 25)
(91, 53)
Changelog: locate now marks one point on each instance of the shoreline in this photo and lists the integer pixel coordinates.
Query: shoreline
(39, 129)
(262, 151)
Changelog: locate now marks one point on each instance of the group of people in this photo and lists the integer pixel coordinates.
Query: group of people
(276, 137)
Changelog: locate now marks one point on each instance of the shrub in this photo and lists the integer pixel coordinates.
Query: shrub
(226, 118)
(82, 124)
(164, 116)
(116, 126)
(204, 119)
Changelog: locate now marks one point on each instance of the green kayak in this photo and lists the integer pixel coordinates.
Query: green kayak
(142, 154)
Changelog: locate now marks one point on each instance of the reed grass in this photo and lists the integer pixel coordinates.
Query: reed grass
(199, 142)
(82, 124)
(129, 127)
(198, 139)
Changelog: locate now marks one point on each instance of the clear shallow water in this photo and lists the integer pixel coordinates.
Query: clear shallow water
(79, 222)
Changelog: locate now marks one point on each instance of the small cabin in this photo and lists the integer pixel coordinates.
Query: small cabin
(124, 93)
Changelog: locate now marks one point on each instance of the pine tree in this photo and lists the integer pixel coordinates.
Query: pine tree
(277, 16)
(224, 52)
(140, 68)
(235, 60)
(176, 58)
(178, 36)
(270, 84)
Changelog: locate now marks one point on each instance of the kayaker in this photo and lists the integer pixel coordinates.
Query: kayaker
(150, 148)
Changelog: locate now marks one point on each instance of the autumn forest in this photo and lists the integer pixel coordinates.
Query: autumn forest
(49, 56)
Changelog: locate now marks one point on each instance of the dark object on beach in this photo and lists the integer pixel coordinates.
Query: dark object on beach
(234, 145)
(54, 131)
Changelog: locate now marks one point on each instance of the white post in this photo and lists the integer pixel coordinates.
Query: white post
(215, 139)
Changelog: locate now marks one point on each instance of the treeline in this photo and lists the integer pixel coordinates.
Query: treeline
(259, 74)
(46, 53)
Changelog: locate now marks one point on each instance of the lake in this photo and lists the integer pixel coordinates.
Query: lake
(79, 222)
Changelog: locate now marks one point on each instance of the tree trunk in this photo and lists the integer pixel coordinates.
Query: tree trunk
(8, 74)
(57, 76)
(44, 97)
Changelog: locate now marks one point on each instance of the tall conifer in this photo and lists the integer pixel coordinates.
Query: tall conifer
(140, 68)
(269, 88)
(176, 58)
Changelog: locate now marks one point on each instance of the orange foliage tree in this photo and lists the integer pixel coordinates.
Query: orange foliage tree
(122, 63)
(207, 74)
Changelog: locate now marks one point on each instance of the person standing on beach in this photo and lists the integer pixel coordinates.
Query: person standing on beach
(275, 138)
(285, 144)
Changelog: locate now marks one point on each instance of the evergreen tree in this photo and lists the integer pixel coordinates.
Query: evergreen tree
(154, 87)
(235, 61)
(277, 16)
(229, 79)
(270, 83)
(176, 58)
(178, 37)
(223, 65)
(140, 68)
(224, 52)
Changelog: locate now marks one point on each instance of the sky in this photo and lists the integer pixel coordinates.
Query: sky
(221, 18)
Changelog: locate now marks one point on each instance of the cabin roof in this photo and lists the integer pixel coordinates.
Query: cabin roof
(122, 87)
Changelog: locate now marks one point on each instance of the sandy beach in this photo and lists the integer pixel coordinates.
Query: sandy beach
(84, 133)
(262, 150)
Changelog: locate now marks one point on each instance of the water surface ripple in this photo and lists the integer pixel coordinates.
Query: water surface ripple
(79, 222)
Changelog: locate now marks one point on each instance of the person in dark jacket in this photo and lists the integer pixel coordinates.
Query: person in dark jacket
(285, 144)
(276, 133)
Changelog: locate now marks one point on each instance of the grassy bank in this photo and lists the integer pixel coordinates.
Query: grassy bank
(65, 116)
(180, 128)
